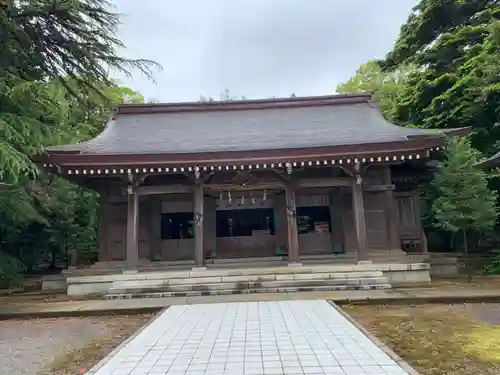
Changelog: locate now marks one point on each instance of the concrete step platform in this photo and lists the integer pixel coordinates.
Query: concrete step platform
(243, 285)
(144, 265)
(234, 276)
(198, 281)
(213, 292)
(226, 281)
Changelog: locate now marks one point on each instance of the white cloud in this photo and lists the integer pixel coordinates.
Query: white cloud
(256, 48)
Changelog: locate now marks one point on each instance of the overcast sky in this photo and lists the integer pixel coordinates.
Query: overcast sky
(255, 48)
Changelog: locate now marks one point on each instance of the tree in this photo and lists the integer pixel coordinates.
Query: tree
(90, 113)
(31, 113)
(384, 85)
(54, 88)
(463, 202)
(37, 114)
(50, 50)
(455, 48)
(47, 214)
(52, 39)
(224, 96)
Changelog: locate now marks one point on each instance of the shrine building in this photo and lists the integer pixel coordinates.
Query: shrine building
(296, 178)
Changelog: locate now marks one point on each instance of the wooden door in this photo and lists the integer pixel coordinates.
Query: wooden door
(408, 214)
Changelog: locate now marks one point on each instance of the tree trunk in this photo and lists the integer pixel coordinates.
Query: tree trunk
(52, 259)
(66, 249)
(466, 253)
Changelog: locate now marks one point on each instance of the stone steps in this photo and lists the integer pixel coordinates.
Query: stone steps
(243, 279)
(188, 284)
(222, 261)
(388, 257)
(215, 282)
(250, 285)
(111, 267)
(193, 293)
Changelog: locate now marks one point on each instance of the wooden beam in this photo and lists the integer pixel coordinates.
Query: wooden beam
(300, 184)
(322, 182)
(233, 187)
(164, 189)
(384, 187)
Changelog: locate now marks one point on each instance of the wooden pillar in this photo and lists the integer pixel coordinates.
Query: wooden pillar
(391, 212)
(336, 221)
(280, 224)
(347, 220)
(423, 242)
(359, 216)
(209, 227)
(199, 256)
(155, 252)
(103, 229)
(132, 228)
(292, 234)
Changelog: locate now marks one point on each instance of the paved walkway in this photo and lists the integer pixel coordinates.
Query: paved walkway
(254, 338)
(129, 306)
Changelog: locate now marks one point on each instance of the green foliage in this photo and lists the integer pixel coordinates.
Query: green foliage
(10, 270)
(70, 226)
(431, 20)
(453, 50)
(224, 96)
(385, 86)
(54, 89)
(494, 267)
(54, 55)
(32, 113)
(463, 201)
(454, 46)
(41, 214)
(51, 40)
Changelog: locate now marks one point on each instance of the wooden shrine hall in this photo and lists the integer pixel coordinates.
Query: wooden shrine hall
(294, 177)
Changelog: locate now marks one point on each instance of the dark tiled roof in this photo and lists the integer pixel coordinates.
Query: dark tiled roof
(245, 126)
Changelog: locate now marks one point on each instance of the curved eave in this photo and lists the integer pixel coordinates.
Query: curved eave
(491, 162)
(261, 156)
(458, 132)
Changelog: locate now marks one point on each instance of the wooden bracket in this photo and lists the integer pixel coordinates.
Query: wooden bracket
(283, 176)
(356, 169)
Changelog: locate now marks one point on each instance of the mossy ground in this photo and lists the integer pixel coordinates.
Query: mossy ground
(457, 339)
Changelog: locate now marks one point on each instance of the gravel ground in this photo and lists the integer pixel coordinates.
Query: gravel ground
(29, 347)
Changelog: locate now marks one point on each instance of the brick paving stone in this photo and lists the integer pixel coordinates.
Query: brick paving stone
(251, 338)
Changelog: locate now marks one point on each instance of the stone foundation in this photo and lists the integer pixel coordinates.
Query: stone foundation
(54, 282)
(407, 273)
(249, 280)
(87, 285)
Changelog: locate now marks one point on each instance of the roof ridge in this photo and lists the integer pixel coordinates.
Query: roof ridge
(304, 101)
